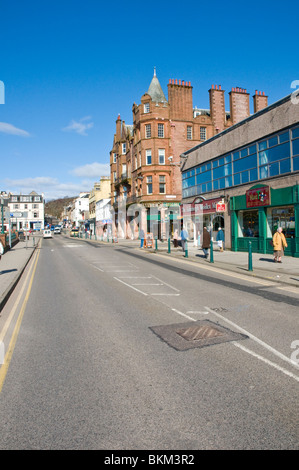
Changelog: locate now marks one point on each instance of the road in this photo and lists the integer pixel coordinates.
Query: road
(114, 348)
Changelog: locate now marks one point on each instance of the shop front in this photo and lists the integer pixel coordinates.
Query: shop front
(201, 213)
(256, 215)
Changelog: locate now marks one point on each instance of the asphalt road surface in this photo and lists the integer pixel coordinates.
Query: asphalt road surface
(114, 348)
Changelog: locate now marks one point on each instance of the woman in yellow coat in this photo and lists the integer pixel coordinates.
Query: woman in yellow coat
(279, 244)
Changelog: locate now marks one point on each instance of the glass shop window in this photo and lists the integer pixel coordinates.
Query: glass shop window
(248, 223)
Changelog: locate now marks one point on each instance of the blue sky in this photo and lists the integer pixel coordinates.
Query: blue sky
(70, 67)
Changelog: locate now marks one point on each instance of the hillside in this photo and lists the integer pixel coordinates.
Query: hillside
(55, 207)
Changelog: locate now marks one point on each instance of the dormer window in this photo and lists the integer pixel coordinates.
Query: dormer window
(123, 148)
(146, 108)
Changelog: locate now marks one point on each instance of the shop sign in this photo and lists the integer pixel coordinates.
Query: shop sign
(258, 197)
(221, 207)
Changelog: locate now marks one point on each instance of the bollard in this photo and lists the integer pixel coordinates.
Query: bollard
(249, 257)
(168, 246)
(156, 243)
(186, 249)
(211, 252)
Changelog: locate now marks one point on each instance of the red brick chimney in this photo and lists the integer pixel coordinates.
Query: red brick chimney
(239, 104)
(217, 108)
(180, 100)
(260, 101)
(118, 128)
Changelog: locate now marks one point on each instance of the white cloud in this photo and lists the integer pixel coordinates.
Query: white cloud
(10, 129)
(80, 127)
(50, 187)
(92, 170)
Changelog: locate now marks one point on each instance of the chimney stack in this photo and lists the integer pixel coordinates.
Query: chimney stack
(260, 101)
(239, 104)
(217, 108)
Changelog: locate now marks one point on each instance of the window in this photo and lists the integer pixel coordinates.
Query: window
(148, 155)
(282, 217)
(161, 130)
(248, 223)
(203, 133)
(189, 132)
(146, 108)
(161, 156)
(123, 148)
(35, 215)
(114, 176)
(149, 182)
(124, 170)
(114, 158)
(162, 185)
(16, 206)
(148, 131)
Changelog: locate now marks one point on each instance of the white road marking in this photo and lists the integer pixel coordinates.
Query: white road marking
(99, 269)
(254, 338)
(270, 363)
(165, 283)
(183, 314)
(130, 286)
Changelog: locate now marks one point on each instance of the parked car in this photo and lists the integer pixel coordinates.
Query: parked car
(74, 232)
(47, 233)
(57, 230)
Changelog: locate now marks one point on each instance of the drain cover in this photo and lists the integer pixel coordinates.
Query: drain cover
(196, 333)
(183, 336)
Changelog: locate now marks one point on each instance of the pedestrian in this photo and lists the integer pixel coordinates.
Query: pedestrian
(175, 238)
(220, 238)
(279, 244)
(141, 236)
(206, 241)
(184, 238)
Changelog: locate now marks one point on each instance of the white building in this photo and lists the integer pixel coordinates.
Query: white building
(80, 213)
(27, 211)
(103, 217)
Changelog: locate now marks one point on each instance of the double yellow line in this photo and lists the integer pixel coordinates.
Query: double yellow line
(9, 353)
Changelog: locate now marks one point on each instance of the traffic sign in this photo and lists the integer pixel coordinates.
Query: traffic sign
(16, 214)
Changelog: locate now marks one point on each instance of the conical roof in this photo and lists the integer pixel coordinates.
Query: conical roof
(155, 91)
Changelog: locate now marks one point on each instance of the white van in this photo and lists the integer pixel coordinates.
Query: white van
(47, 233)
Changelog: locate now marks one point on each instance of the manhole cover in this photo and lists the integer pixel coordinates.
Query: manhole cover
(196, 333)
(184, 336)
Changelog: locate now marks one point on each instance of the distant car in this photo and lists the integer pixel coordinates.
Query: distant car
(57, 230)
(47, 233)
(74, 232)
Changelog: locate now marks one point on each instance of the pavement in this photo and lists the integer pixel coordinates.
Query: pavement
(12, 266)
(14, 262)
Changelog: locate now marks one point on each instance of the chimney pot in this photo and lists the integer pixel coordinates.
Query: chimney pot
(176, 82)
(219, 87)
(263, 93)
(212, 87)
(179, 82)
(216, 87)
(183, 83)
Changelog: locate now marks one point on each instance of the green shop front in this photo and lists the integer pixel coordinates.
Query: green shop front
(256, 215)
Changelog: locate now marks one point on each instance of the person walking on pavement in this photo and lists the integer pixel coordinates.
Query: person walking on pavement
(220, 238)
(184, 238)
(279, 244)
(141, 236)
(206, 241)
(175, 238)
